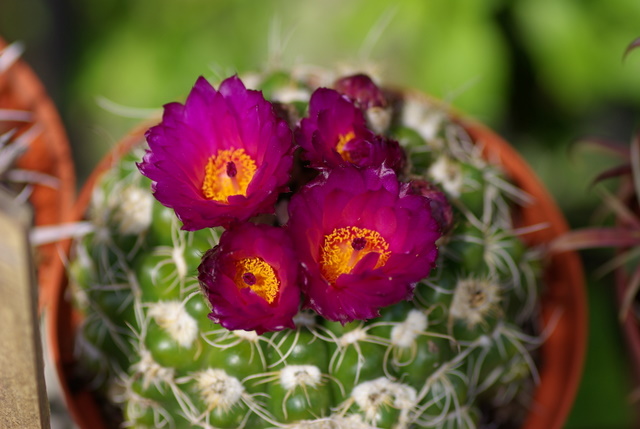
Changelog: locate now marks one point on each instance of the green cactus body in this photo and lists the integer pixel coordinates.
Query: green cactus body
(438, 361)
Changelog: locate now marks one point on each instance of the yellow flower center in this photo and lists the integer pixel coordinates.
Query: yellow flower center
(343, 139)
(228, 173)
(256, 274)
(345, 247)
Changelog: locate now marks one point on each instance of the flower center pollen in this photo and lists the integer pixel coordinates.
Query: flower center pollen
(345, 247)
(258, 275)
(343, 139)
(228, 173)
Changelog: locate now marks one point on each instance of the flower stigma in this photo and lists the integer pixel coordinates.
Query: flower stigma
(345, 247)
(258, 275)
(249, 278)
(228, 173)
(232, 170)
(359, 243)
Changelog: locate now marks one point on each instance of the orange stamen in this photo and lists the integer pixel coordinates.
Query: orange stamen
(345, 247)
(258, 275)
(228, 173)
(343, 139)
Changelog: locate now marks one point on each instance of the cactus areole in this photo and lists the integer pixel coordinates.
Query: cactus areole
(343, 260)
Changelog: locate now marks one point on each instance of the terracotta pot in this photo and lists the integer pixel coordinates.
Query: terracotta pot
(564, 300)
(49, 153)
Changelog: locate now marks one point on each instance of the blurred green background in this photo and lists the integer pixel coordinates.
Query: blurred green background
(543, 73)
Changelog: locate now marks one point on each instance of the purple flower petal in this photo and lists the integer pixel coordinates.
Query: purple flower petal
(335, 134)
(364, 241)
(362, 90)
(221, 157)
(251, 279)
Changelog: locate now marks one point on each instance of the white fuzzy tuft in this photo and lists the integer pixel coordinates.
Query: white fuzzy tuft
(293, 376)
(177, 256)
(151, 371)
(353, 337)
(353, 421)
(474, 300)
(404, 334)
(379, 119)
(218, 389)
(306, 319)
(447, 173)
(426, 120)
(250, 336)
(132, 209)
(290, 94)
(173, 318)
(371, 395)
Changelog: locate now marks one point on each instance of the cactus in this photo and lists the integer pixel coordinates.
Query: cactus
(458, 354)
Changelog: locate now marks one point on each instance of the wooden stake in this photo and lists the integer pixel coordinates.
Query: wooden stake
(23, 398)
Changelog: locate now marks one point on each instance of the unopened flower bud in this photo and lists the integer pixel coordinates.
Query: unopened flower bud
(440, 207)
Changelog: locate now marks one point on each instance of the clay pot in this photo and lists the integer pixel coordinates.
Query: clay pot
(49, 153)
(563, 303)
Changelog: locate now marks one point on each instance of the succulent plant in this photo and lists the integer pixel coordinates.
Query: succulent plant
(329, 258)
(624, 204)
(624, 236)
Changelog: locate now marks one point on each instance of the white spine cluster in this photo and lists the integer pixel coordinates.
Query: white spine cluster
(474, 300)
(218, 389)
(353, 337)
(404, 334)
(250, 336)
(378, 118)
(371, 395)
(132, 209)
(292, 376)
(151, 371)
(353, 421)
(426, 121)
(447, 172)
(173, 318)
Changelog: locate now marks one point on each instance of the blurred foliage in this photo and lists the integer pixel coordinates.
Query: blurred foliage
(603, 400)
(576, 49)
(531, 68)
(544, 73)
(141, 58)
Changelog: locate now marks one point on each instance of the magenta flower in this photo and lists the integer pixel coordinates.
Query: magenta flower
(364, 240)
(336, 133)
(251, 279)
(374, 152)
(362, 90)
(222, 156)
